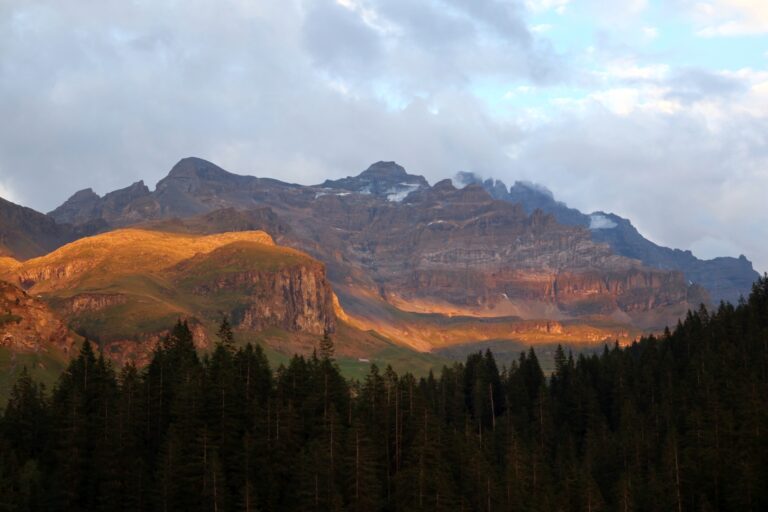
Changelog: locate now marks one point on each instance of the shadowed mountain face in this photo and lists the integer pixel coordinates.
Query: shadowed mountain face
(724, 278)
(25, 233)
(193, 187)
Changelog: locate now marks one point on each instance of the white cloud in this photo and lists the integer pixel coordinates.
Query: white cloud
(650, 33)
(537, 6)
(597, 221)
(628, 69)
(621, 101)
(614, 15)
(711, 247)
(730, 17)
(7, 193)
(626, 100)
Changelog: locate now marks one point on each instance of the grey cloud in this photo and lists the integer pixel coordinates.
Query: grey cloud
(339, 39)
(504, 17)
(102, 94)
(691, 85)
(431, 46)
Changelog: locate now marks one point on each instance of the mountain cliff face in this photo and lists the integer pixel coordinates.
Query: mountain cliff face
(291, 292)
(724, 278)
(27, 324)
(459, 252)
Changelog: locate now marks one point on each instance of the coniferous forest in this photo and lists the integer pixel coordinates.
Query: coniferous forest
(677, 422)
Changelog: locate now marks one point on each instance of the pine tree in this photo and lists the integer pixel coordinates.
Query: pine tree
(25, 423)
(225, 335)
(327, 349)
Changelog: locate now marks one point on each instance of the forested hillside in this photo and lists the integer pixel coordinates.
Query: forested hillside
(671, 423)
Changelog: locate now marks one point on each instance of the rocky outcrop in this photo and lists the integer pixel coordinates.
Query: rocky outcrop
(115, 208)
(299, 299)
(82, 207)
(89, 302)
(28, 277)
(296, 296)
(27, 324)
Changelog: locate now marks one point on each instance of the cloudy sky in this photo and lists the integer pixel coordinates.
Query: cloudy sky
(656, 110)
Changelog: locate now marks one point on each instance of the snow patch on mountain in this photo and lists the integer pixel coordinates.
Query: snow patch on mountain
(400, 191)
(598, 221)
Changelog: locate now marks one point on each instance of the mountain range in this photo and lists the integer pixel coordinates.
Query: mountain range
(384, 260)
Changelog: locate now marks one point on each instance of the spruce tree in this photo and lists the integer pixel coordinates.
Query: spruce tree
(327, 348)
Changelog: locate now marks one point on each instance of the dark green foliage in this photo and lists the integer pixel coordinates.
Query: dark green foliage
(326, 347)
(225, 335)
(674, 423)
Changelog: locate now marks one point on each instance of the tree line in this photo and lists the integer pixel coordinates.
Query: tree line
(676, 422)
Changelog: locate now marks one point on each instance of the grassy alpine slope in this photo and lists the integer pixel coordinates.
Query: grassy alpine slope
(129, 286)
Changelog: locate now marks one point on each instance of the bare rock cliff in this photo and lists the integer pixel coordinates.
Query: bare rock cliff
(27, 324)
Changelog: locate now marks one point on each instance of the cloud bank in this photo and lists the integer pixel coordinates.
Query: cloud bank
(101, 94)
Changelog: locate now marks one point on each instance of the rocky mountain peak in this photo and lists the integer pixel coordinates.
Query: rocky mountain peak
(532, 189)
(383, 179)
(534, 196)
(79, 208)
(193, 167)
(382, 169)
(86, 194)
(445, 192)
(444, 186)
(133, 191)
(474, 193)
(496, 188)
